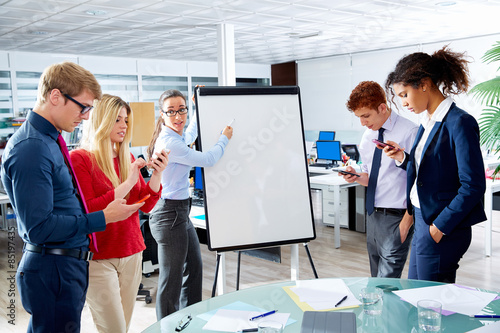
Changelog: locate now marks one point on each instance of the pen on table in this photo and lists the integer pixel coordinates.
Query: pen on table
(249, 330)
(183, 323)
(486, 316)
(264, 315)
(343, 299)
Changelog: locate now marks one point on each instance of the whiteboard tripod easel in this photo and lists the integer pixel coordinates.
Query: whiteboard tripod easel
(257, 195)
(294, 268)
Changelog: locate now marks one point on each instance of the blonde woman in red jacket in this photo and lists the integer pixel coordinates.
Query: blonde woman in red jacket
(106, 170)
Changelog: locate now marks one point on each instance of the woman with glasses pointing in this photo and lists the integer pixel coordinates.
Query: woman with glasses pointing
(179, 256)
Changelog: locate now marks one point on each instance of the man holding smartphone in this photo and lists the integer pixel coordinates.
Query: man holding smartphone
(389, 226)
(37, 174)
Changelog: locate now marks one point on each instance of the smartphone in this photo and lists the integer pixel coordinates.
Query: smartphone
(343, 172)
(144, 172)
(383, 144)
(166, 150)
(143, 199)
(160, 150)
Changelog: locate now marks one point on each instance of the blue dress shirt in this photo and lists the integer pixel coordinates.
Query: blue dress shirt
(41, 190)
(175, 177)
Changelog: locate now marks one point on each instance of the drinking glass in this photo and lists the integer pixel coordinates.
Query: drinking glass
(270, 327)
(373, 300)
(429, 315)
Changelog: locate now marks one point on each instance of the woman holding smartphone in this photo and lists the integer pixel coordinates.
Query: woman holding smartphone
(445, 167)
(179, 256)
(106, 170)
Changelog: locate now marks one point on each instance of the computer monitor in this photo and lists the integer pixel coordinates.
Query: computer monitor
(198, 198)
(198, 181)
(329, 150)
(351, 150)
(326, 136)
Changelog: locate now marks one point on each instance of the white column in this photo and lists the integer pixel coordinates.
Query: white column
(226, 60)
(227, 77)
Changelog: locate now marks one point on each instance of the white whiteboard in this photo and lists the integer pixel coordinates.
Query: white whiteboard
(257, 194)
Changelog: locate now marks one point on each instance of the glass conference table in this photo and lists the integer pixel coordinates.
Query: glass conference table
(397, 315)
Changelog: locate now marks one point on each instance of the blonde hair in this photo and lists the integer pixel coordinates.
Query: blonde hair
(96, 137)
(69, 78)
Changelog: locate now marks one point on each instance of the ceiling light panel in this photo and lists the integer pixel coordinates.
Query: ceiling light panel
(259, 19)
(47, 7)
(53, 27)
(129, 4)
(22, 14)
(12, 23)
(82, 9)
(119, 24)
(219, 15)
(296, 11)
(179, 9)
(145, 17)
(250, 6)
(80, 19)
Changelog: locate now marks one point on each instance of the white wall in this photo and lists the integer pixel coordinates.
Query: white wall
(326, 83)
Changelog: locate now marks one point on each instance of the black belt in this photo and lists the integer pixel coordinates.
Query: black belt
(75, 253)
(390, 211)
(179, 200)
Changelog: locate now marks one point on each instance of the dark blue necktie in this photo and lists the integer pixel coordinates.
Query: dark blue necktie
(372, 181)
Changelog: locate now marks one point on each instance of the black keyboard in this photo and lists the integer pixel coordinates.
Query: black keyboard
(198, 202)
(323, 165)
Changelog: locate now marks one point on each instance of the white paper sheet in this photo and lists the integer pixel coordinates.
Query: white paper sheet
(238, 305)
(235, 320)
(324, 293)
(453, 298)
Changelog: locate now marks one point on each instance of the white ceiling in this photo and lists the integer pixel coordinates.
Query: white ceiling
(266, 31)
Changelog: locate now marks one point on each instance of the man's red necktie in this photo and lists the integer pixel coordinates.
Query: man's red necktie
(64, 150)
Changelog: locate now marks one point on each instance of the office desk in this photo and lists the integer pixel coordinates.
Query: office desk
(491, 187)
(397, 315)
(4, 200)
(198, 222)
(315, 171)
(333, 183)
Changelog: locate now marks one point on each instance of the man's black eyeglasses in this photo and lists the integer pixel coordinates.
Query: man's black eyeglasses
(172, 113)
(85, 108)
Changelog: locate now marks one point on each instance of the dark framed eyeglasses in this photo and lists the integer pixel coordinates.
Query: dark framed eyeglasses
(172, 113)
(85, 108)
